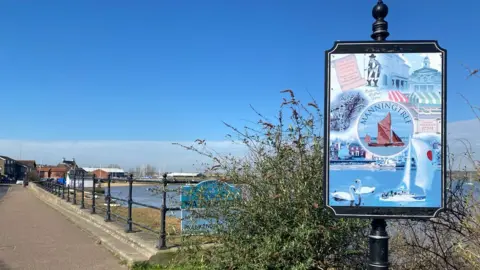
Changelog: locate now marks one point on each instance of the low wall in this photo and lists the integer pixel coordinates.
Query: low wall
(95, 225)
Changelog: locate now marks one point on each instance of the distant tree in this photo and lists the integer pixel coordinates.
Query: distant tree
(149, 170)
(116, 166)
(32, 176)
(145, 170)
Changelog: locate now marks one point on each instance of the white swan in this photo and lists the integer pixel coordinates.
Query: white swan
(344, 196)
(363, 190)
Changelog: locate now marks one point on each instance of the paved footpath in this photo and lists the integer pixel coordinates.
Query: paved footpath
(35, 236)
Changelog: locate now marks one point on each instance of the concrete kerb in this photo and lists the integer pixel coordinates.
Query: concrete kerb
(67, 209)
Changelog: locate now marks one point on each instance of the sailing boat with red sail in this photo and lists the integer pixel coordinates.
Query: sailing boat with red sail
(368, 139)
(386, 136)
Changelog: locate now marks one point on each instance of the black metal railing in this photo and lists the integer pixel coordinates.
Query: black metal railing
(60, 189)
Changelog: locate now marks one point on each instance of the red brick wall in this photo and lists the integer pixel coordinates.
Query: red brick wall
(100, 174)
(56, 172)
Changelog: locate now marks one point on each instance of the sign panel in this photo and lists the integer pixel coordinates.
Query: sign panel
(195, 198)
(385, 112)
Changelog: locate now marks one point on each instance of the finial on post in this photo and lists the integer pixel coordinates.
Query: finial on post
(380, 26)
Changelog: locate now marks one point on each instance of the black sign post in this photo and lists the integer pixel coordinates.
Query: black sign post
(385, 131)
(378, 237)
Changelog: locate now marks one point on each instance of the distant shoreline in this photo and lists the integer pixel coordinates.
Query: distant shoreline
(125, 184)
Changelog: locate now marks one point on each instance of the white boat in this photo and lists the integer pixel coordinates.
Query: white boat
(389, 164)
(373, 165)
(423, 178)
(112, 204)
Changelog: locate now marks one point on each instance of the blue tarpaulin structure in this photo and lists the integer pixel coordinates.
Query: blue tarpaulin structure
(61, 181)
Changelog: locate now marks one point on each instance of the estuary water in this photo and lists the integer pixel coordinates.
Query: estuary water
(142, 194)
(340, 180)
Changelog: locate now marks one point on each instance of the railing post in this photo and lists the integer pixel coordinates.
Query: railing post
(162, 241)
(63, 185)
(59, 190)
(68, 193)
(93, 195)
(75, 187)
(130, 203)
(109, 199)
(82, 203)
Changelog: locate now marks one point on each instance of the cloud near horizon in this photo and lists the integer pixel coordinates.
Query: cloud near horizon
(166, 156)
(466, 131)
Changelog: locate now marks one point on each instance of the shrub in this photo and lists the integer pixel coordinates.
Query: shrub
(450, 241)
(282, 224)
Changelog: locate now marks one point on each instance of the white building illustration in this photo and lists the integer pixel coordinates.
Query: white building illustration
(394, 72)
(426, 99)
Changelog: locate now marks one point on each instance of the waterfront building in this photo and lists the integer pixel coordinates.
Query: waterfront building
(356, 150)
(394, 72)
(103, 172)
(426, 87)
(77, 179)
(426, 80)
(425, 100)
(335, 147)
(7, 166)
(186, 175)
(333, 151)
(68, 163)
(52, 171)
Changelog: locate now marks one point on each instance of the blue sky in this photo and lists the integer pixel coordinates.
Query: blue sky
(173, 70)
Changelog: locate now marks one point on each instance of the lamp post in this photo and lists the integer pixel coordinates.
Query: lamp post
(378, 238)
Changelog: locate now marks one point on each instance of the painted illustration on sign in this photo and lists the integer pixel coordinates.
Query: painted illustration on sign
(198, 205)
(348, 73)
(385, 130)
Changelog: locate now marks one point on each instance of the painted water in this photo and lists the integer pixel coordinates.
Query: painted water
(385, 151)
(383, 181)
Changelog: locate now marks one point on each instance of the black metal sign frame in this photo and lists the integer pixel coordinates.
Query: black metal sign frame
(385, 47)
